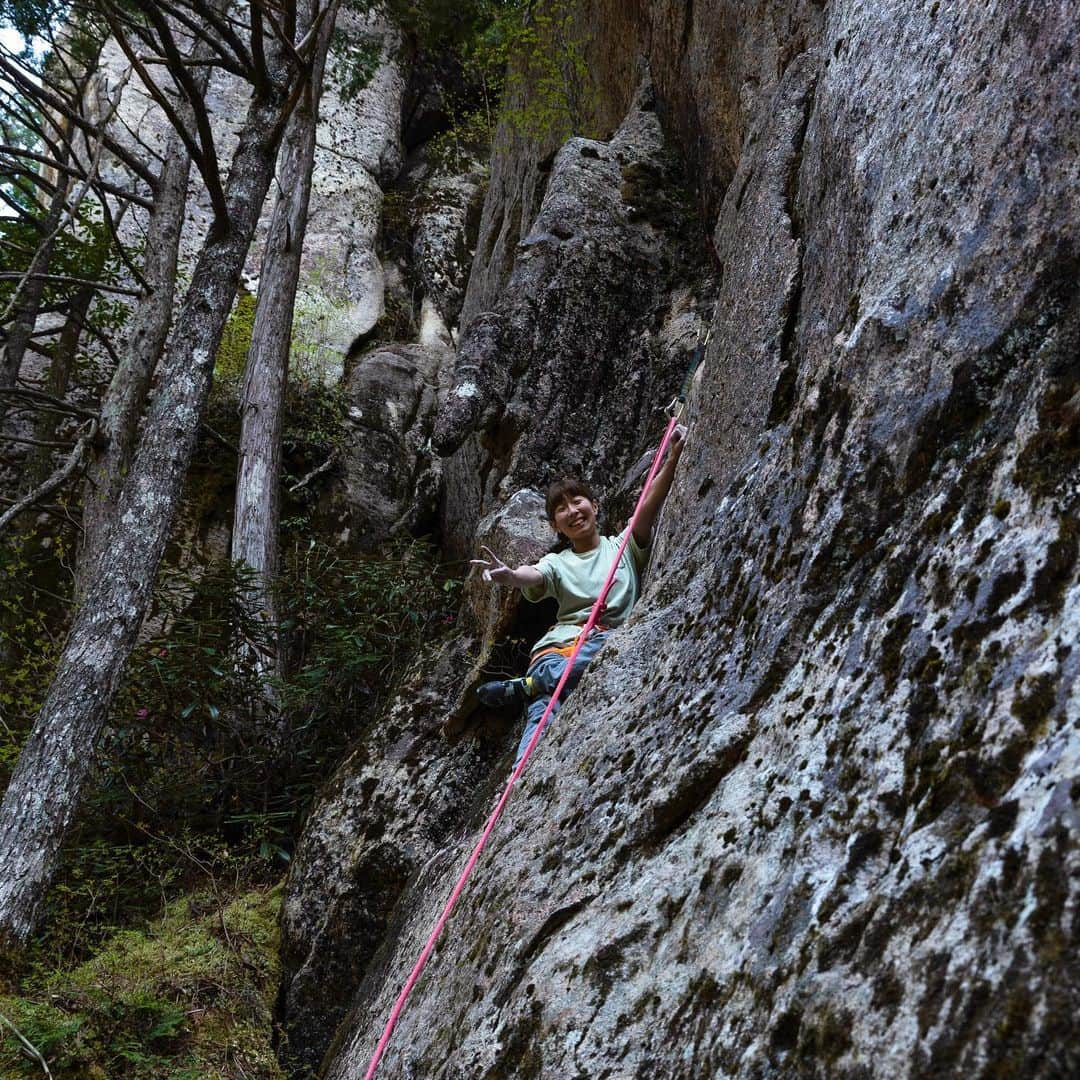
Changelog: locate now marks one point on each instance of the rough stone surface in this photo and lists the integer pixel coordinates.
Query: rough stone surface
(358, 149)
(446, 235)
(570, 370)
(496, 625)
(814, 810)
(390, 480)
(391, 818)
(351, 871)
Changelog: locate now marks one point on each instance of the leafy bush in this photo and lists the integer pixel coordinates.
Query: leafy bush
(354, 59)
(188, 786)
(355, 618)
(547, 93)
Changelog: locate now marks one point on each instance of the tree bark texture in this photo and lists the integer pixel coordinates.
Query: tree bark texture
(258, 479)
(44, 793)
(124, 400)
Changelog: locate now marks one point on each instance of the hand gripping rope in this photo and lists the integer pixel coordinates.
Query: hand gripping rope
(676, 409)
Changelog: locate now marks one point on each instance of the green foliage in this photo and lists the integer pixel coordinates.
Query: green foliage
(36, 21)
(547, 94)
(85, 251)
(355, 619)
(323, 313)
(30, 18)
(188, 996)
(187, 789)
(527, 54)
(314, 420)
(441, 27)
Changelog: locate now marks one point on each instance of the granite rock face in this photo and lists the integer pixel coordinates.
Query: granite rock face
(390, 479)
(570, 370)
(398, 806)
(358, 152)
(391, 818)
(814, 811)
(445, 235)
(387, 480)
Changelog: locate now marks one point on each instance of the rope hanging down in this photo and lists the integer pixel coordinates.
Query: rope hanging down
(594, 615)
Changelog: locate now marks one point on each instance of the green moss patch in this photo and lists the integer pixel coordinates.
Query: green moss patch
(189, 996)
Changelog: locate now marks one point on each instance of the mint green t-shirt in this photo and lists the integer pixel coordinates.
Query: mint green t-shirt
(576, 580)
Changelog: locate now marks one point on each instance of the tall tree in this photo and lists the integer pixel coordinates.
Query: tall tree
(47, 96)
(125, 399)
(63, 216)
(262, 397)
(43, 795)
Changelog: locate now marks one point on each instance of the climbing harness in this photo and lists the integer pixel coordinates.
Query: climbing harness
(675, 410)
(565, 650)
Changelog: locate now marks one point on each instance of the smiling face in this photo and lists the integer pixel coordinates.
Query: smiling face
(575, 518)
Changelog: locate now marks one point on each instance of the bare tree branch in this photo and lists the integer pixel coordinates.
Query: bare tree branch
(207, 160)
(113, 225)
(167, 107)
(12, 152)
(43, 400)
(257, 51)
(45, 97)
(281, 34)
(219, 438)
(326, 466)
(68, 279)
(47, 443)
(227, 42)
(58, 478)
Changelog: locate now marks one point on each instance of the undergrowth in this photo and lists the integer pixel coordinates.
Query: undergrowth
(189, 996)
(192, 812)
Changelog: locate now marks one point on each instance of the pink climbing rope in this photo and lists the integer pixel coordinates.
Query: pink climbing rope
(594, 615)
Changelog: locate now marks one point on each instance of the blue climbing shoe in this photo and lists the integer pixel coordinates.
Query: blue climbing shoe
(505, 692)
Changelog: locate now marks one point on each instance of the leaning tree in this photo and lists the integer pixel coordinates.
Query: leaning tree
(272, 47)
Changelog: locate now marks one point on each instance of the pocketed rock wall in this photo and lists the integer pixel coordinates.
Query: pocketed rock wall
(814, 811)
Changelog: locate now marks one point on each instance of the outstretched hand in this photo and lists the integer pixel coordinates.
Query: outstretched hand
(495, 569)
(678, 441)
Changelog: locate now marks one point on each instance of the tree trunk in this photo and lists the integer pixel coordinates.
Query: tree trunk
(39, 461)
(28, 302)
(258, 479)
(124, 400)
(44, 793)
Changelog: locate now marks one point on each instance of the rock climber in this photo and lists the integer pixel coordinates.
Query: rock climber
(574, 577)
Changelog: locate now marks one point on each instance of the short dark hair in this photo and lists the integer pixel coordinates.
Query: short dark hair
(566, 488)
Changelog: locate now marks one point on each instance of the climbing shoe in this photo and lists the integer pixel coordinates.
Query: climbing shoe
(505, 692)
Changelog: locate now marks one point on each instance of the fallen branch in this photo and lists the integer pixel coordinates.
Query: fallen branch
(49, 443)
(58, 478)
(219, 438)
(327, 464)
(28, 1046)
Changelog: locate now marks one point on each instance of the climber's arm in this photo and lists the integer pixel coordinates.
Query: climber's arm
(661, 485)
(494, 569)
